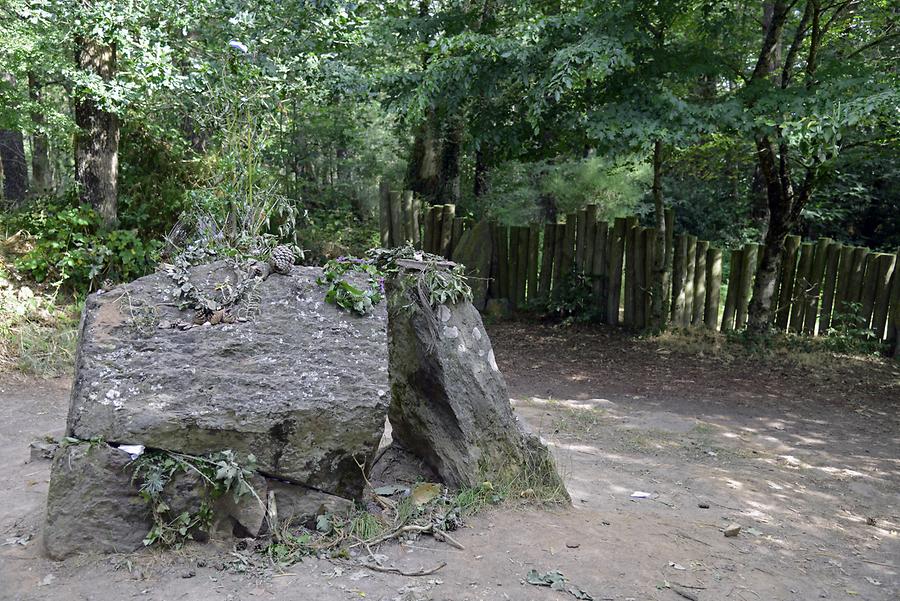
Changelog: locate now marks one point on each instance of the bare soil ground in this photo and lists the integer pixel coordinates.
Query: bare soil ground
(805, 456)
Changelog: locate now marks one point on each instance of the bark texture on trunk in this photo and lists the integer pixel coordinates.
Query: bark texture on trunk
(41, 174)
(14, 167)
(422, 170)
(449, 191)
(97, 141)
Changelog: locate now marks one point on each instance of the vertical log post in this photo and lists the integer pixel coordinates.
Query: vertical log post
(887, 267)
(829, 286)
(631, 226)
(670, 241)
(416, 204)
(503, 262)
(599, 265)
(614, 269)
(690, 265)
(514, 267)
(494, 283)
(745, 289)
(857, 273)
(843, 283)
(639, 317)
(580, 238)
(534, 241)
(814, 295)
(893, 325)
(786, 281)
(713, 287)
(406, 209)
(649, 253)
(679, 271)
(731, 296)
(590, 235)
(558, 244)
(547, 261)
(522, 264)
(869, 288)
(568, 251)
(384, 214)
(448, 213)
(700, 283)
(458, 229)
(397, 231)
(801, 285)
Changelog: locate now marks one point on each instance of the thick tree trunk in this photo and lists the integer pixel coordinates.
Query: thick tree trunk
(97, 141)
(449, 191)
(15, 169)
(422, 169)
(41, 174)
(785, 204)
(661, 258)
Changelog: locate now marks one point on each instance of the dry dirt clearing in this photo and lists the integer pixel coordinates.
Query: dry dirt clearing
(806, 461)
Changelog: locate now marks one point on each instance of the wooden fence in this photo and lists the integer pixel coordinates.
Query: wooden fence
(818, 283)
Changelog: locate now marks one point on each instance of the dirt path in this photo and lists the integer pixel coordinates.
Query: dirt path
(803, 465)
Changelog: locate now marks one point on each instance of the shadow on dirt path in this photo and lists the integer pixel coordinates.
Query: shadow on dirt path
(809, 467)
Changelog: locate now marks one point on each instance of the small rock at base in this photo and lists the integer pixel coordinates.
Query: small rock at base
(733, 530)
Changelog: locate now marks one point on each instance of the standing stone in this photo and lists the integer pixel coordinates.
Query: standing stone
(301, 384)
(450, 404)
(92, 506)
(474, 251)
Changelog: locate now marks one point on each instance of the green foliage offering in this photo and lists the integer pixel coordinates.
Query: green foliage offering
(347, 295)
(437, 514)
(219, 474)
(434, 283)
(68, 248)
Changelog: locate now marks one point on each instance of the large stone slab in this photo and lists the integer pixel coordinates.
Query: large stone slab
(302, 385)
(450, 404)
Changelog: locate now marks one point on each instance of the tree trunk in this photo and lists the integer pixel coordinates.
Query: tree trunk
(41, 175)
(422, 168)
(97, 141)
(449, 191)
(482, 183)
(785, 204)
(661, 260)
(15, 169)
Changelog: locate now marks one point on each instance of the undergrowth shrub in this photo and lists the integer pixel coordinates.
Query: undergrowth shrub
(62, 243)
(574, 302)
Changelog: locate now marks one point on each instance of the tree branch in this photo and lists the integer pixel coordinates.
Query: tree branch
(874, 42)
(773, 34)
(799, 34)
(815, 41)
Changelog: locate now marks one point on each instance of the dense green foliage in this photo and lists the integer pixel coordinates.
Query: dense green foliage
(240, 126)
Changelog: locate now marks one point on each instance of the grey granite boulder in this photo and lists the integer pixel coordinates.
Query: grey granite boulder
(300, 383)
(450, 404)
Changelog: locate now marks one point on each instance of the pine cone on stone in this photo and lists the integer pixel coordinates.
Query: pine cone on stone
(282, 259)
